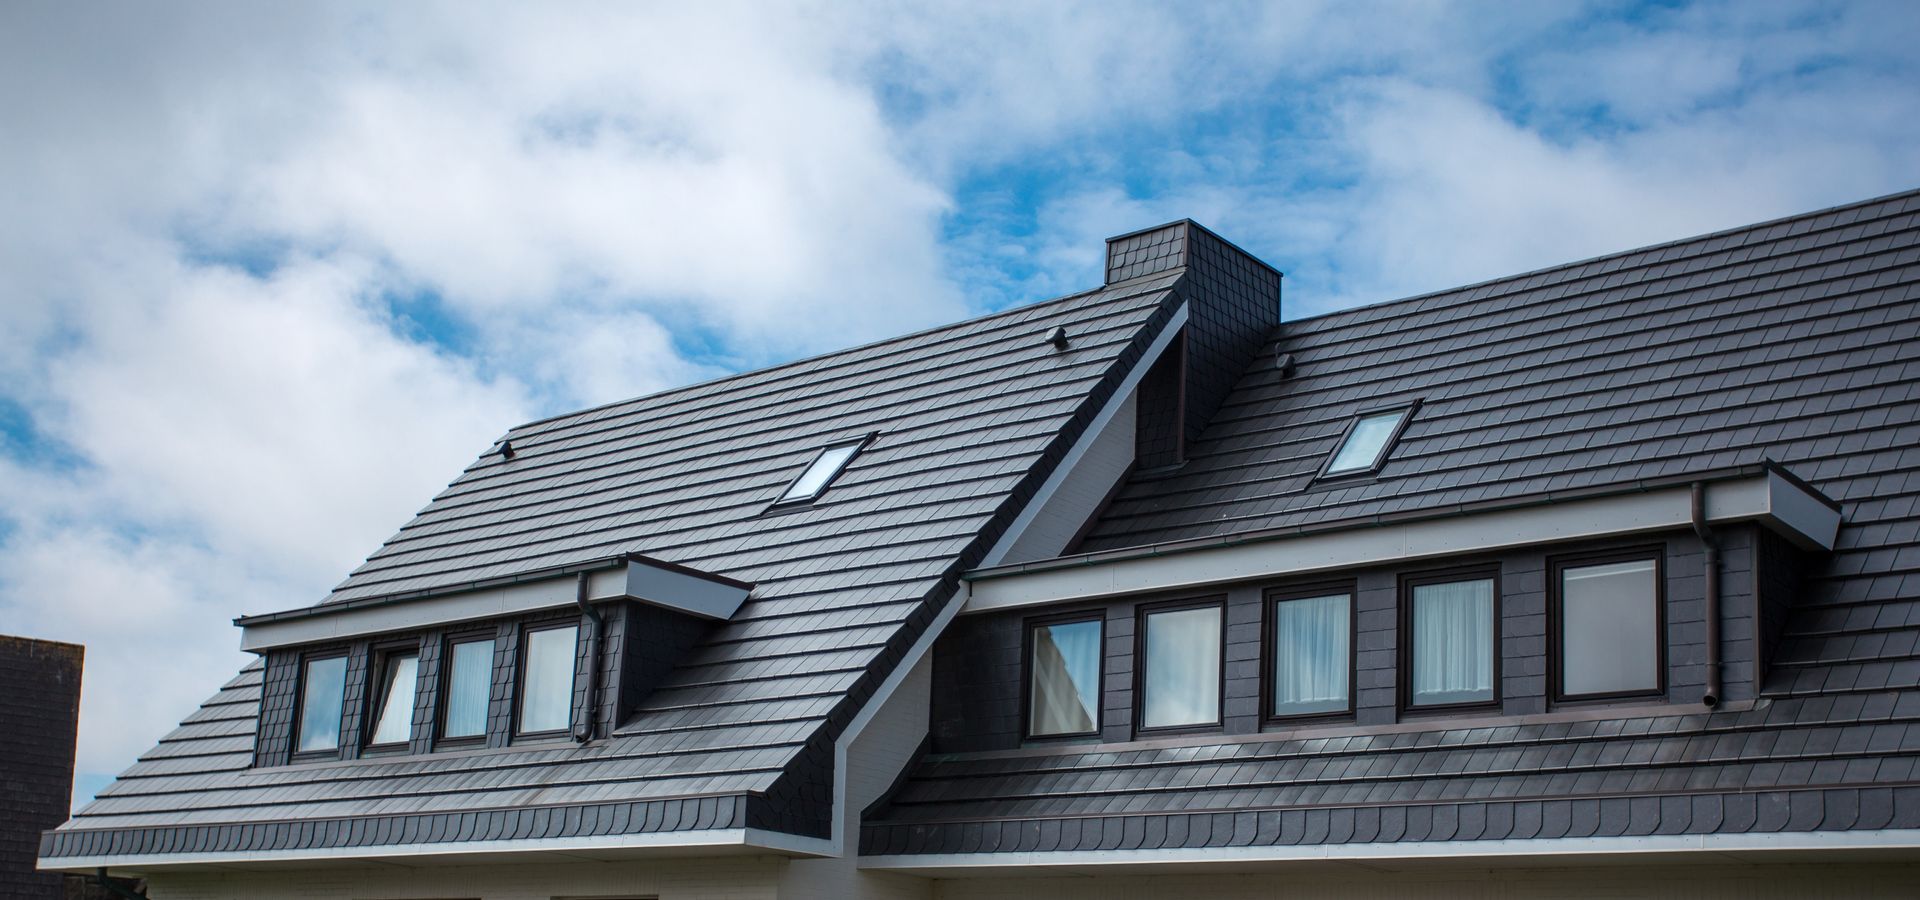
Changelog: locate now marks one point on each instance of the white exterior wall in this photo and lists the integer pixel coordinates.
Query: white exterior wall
(734, 878)
(1081, 492)
(1697, 882)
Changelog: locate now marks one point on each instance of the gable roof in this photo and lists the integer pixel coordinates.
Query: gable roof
(970, 419)
(1796, 341)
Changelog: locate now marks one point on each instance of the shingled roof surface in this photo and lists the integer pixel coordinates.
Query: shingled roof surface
(1796, 341)
(970, 418)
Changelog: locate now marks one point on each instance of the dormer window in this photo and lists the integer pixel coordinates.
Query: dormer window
(1367, 441)
(394, 693)
(546, 682)
(323, 690)
(469, 681)
(822, 471)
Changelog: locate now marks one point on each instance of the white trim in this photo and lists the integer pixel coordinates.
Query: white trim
(1087, 439)
(959, 863)
(750, 839)
(1769, 499)
(635, 580)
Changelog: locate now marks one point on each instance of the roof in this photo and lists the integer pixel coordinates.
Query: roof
(1795, 341)
(970, 419)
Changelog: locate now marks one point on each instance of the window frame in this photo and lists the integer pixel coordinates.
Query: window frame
(1407, 409)
(1274, 596)
(1404, 637)
(782, 502)
(379, 657)
(520, 679)
(1145, 611)
(1556, 565)
(1027, 626)
(443, 698)
(295, 754)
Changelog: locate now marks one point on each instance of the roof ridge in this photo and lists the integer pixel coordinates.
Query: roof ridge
(1621, 254)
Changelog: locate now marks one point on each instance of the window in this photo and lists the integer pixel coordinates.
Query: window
(323, 686)
(546, 679)
(821, 472)
(1180, 667)
(1310, 652)
(1607, 634)
(393, 697)
(1367, 441)
(1452, 640)
(469, 686)
(1063, 678)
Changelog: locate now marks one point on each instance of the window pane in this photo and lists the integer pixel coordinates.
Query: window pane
(824, 467)
(1310, 659)
(396, 703)
(324, 684)
(1183, 668)
(1364, 443)
(469, 684)
(1064, 697)
(546, 689)
(1609, 628)
(1453, 642)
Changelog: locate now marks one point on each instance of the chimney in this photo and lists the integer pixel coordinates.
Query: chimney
(1233, 308)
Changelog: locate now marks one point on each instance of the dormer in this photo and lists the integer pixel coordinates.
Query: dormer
(556, 656)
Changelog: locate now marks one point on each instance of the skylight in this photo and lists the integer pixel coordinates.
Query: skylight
(821, 472)
(1367, 442)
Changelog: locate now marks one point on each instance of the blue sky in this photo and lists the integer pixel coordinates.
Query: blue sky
(271, 275)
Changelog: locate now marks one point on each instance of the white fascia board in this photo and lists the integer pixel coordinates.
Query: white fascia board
(661, 585)
(1036, 863)
(1767, 498)
(1065, 469)
(695, 843)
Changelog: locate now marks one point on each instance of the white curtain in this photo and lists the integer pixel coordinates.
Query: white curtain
(471, 677)
(1310, 654)
(1609, 628)
(1183, 668)
(1066, 679)
(396, 706)
(1453, 642)
(547, 701)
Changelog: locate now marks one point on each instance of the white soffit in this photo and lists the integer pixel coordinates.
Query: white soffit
(1780, 503)
(661, 584)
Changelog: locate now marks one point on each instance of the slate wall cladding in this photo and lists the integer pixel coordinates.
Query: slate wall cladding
(654, 639)
(39, 717)
(978, 672)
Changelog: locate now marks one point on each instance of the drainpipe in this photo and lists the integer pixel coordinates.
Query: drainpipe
(114, 888)
(1711, 695)
(583, 730)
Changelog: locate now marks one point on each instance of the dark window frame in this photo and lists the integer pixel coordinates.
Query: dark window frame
(527, 630)
(1142, 613)
(1407, 409)
(1274, 596)
(782, 503)
(295, 754)
(1556, 565)
(1027, 626)
(443, 694)
(380, 655)
(1410, 580)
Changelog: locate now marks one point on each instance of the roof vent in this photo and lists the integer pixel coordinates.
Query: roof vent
(506, 449)
(1284, 363)
(1059, 338)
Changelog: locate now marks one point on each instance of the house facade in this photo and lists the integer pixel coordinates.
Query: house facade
(1603, 578)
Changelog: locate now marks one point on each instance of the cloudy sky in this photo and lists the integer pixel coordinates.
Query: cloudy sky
(270, 274)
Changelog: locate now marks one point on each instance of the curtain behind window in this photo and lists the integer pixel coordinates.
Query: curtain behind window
(1453, 642)
(1310, 654)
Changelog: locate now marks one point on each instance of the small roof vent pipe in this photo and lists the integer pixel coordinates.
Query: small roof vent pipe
(1284, 364)
(1059, 339)
(506, 449)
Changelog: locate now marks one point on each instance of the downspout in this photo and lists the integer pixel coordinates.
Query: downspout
(113, 887)
(583, 730)
(1711, 695)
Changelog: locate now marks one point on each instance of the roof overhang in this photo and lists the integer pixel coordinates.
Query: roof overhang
(629, 577)
(1765, 494)
(1893, 845)
(606, 848)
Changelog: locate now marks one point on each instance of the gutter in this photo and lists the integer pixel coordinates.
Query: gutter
(1710, 696)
